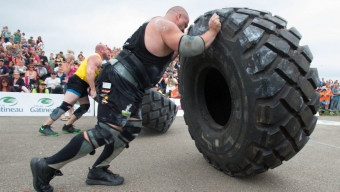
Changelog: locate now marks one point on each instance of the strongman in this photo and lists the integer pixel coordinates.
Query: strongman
(120, 89)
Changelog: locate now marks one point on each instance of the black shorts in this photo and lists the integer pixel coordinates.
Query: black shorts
(111, 106)
(77, 86)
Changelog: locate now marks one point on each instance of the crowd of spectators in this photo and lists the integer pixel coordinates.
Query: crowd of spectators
(25, 68)
(329, 96)
(168, 84)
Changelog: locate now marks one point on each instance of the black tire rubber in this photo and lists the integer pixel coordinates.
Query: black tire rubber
(249, 100)
(158, 111)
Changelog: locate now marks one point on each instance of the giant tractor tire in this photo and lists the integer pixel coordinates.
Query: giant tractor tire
(158, 112)
(249, 100)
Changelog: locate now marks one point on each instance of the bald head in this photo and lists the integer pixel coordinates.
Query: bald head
(178, 10)
(99, 47)
(102, 51)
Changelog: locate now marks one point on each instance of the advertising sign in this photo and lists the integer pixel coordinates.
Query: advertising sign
(30, 104)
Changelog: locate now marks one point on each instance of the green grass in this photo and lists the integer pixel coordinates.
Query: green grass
(323, 112)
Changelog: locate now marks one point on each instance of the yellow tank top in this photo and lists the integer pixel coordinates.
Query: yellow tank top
(81, 71)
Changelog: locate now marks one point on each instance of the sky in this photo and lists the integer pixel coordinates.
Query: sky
(80, 25)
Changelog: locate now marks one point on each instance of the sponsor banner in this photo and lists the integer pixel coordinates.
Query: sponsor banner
(33, 104)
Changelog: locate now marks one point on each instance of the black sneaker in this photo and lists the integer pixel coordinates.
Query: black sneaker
(46, 130)
(42, 175)
(103, 176)
(70, 129)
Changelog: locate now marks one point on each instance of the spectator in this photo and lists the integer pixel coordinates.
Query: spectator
(39, 40)
(11, 40)
(11, 50)
(17, 36)
(31, 48)
(21, 68)
(23, 37)
(175, 93)
(18, 60)
(36, 56)
(7, 34)
(175, 74)
(58, 60)
(4, 71)
(24, 44)
(42, 57)
(171, 84)
(336, 97)
(41, 88)
(4, 86)
(57, 68)
(31, 75)
(325, 96)
(41, 71)
(17, 83)
(51, 61)
(31, 42)
(53, 84)
(62, 57)
(80, 58)
(162, 84)
(26, 55)
(62, 76)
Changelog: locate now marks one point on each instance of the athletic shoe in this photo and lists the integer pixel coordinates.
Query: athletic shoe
(46, 130)
(103, 176)
(70, 129)
(42, 175)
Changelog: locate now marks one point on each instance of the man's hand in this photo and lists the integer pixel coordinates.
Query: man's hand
(214, 23)
(93, 93)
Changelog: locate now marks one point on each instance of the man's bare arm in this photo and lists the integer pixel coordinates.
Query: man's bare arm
(92, 64)
(172, 35)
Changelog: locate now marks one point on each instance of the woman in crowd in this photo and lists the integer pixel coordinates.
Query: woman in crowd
(17, 83)
(62, 76)
(18, 59)
(31, 74)
(170, 84)
(41, 88)
(21, 68)
(51, 61)
(39, 40)
(4, 86)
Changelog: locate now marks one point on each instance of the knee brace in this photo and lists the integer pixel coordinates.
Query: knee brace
(119, 143)
(102, 134)
(81, 110)
(57, 112)
(130, 131)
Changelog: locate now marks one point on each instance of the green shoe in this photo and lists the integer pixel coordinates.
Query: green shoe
(46, 130)
(70, 129)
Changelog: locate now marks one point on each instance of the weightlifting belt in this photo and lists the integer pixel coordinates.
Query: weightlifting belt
(121, 70)
(135, 67)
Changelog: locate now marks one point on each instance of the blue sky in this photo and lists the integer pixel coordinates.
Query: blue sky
(80, 25)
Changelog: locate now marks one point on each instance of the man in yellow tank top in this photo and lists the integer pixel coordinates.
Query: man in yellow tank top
(77, 90)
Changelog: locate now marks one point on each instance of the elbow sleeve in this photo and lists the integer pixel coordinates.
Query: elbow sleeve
(191, 45)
